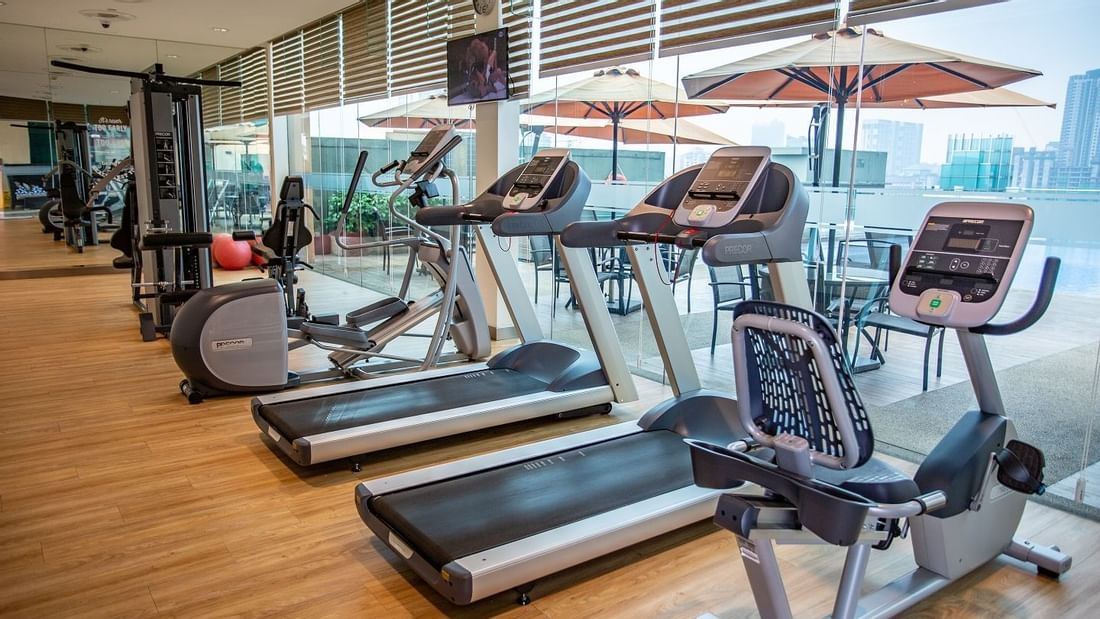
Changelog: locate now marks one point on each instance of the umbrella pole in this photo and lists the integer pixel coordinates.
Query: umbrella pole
(614, 148)
(839, 142)
(538, 137)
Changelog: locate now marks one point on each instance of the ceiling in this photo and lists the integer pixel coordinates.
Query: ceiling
(179, 34)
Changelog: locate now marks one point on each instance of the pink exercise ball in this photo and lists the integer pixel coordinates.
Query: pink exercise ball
(232, 255)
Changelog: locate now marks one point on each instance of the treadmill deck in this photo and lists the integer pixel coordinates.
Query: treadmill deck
(312, 416)
(459, 517)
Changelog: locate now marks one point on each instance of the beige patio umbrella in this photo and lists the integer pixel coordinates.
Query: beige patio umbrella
(998, 97)
(422, 114)
(617, 95)
(655, 131)
(828, 65)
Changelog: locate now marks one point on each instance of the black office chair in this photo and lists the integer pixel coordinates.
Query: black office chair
(727, 293)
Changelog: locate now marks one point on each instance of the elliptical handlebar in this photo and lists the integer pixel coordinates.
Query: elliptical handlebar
(429, 166)
(1043, 296)
(389, 167)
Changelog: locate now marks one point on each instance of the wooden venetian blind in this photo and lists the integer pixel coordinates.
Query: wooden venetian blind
(581, 34)
(321, 63)
(211, 99)
(517, 18)
(253, 91)
(419, 30)
(231, 98)
(109, 115)
(288, 92)
(14, 108)
(691, 25)
(68, 112)
(365, 42)
(874, 11)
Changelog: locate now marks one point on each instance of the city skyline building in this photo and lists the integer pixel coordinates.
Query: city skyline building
(977, 163)
(900, 140)
(1078, 155)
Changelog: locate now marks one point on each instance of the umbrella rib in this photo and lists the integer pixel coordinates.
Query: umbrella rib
(965, 78)
(717, 85)
(775, 93)
(885, 76)
(806, 78)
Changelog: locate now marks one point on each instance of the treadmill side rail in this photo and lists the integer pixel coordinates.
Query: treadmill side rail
(373, 437)
(384, 381)
(486, 573)
(504, 457)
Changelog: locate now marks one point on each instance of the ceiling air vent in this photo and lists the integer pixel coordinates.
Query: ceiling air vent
(106, 17)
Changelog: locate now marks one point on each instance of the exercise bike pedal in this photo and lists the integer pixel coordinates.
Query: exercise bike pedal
(1020, 467)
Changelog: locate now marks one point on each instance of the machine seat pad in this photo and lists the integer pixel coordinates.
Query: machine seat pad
(875, 480)
(379, 310)
(161, 240)
(336, 334)
(123, 262)
(263, 251)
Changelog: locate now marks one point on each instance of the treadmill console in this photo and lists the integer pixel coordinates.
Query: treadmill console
(436, 140)
(726, 180)
(527, 191)
(962, 263)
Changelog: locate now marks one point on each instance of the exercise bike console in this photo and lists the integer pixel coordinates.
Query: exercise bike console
(960, 266)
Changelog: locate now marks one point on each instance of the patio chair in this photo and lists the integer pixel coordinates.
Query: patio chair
(727, 293)
(679, 265)
(542, 256)
(876, 315)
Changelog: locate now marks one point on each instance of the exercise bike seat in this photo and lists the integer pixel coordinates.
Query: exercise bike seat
(336, 335)
(875, 480)
(378, 311)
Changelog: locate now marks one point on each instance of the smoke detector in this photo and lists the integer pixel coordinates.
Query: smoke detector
(106, 17)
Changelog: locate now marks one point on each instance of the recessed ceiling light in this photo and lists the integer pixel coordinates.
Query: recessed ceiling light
(219, 29)
(173, 56)
(115, 92)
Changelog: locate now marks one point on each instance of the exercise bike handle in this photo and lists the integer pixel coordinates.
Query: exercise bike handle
(1043, 295)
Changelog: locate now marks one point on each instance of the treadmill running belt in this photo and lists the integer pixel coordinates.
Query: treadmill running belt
(451, 519)
(309, 417)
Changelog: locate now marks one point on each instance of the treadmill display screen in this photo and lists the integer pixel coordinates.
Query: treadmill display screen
(730, 169)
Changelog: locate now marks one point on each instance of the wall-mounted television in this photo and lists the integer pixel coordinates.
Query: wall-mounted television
(477, 68)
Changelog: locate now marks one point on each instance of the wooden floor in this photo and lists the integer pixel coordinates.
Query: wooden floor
(117, 499)
(25, 251)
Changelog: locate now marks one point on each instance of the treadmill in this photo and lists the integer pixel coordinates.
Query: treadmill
(482, 525)
(536, 378)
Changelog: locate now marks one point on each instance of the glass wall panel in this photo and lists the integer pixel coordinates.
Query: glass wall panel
(238, 176)
(1011, 149)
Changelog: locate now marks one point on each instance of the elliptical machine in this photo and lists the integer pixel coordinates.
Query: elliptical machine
(798, 398)
(279, 246)
(235, 338)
